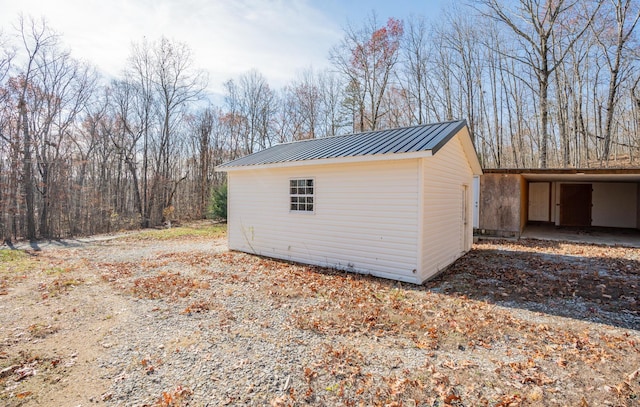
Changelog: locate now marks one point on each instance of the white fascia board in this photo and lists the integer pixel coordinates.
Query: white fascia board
(470, 151)
(338, 160)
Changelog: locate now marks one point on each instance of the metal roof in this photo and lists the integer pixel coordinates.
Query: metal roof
(428, 137)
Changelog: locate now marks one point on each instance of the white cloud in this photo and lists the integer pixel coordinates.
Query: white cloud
(277, 37)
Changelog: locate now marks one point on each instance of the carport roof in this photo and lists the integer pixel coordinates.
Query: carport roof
(572, 174)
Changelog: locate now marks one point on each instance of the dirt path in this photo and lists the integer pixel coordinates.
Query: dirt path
(63, 338)
(53, 329)
(58, 313)
(67, 243)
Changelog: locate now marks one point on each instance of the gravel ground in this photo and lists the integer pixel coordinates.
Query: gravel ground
(244, 350)
(169, 322)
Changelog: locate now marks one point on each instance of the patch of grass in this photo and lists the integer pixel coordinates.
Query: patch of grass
(16, 261)
(12, 260)
(23, 265)
(57, 270)
(11, 255)
(194, 231)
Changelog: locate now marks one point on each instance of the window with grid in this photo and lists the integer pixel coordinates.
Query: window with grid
(301, 195)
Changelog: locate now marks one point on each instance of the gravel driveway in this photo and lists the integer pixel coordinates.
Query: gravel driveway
(181, 321)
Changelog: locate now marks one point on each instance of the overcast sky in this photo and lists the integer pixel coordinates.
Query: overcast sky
(279, 38)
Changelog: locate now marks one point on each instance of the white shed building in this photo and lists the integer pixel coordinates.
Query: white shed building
(392, 203)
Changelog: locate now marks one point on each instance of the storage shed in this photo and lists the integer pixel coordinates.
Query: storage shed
(393, 203)
(512, 199)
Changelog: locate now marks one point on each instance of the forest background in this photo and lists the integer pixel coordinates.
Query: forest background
(541, 83)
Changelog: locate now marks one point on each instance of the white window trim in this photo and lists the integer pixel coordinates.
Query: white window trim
(313, 196)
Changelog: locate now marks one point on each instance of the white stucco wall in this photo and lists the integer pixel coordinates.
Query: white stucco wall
(365, 219)
(614, 205)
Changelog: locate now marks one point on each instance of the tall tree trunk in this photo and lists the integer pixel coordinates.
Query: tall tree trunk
(27, 181)
(544, 106)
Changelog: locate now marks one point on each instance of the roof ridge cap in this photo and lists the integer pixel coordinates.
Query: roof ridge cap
(366, 132)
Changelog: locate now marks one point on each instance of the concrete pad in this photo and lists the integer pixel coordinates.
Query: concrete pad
(595, 235)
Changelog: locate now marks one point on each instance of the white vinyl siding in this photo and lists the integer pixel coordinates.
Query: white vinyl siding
(365, 216)
(445, 236)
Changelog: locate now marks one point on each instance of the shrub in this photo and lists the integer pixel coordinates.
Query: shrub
(218, 204)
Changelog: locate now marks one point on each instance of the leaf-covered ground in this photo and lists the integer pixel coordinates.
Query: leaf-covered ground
(175, 319)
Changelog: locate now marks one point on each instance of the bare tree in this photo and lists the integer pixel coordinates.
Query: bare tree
(305, 93)
(86, 139)
(160, 83)
(540, 82)
(367, 58)
(204, 130)
(289, 122)
(615, 31)
(176, 84)
(7, 194)
(250, 102)
(333, 118)
(461, 38)
(415, 83)
(35, 37)
(65, 86)
(533, 22)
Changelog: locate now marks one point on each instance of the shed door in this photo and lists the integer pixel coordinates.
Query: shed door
(476, 201)
(575, 204)
(465, 218)
(539, 199)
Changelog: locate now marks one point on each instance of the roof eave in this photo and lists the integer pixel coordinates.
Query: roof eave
(325, 161)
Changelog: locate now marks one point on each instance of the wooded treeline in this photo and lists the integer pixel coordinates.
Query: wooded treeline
(542, 83)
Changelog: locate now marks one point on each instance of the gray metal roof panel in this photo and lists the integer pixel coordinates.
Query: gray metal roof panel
(393, 141)
(448, 132)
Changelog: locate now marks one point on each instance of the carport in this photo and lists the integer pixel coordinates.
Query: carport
(579, 200)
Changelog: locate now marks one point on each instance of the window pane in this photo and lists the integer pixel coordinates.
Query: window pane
(301, 195)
